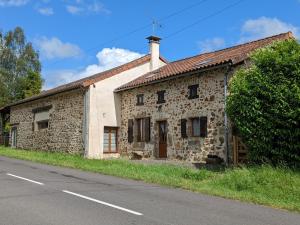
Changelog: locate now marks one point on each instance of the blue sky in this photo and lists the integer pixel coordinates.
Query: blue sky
(77, 38)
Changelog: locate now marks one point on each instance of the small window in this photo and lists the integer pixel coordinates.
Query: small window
(110, 140)
(193, 91)
(42, 124)
(140, 99)
(161, 97)
(195, 127)
(41, 120)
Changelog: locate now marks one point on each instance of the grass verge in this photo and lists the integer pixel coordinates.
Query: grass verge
(275, 187)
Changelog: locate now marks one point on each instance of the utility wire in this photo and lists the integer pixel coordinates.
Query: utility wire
(203, 19)
(142, 27)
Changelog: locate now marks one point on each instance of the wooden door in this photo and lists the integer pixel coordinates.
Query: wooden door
(162, 130)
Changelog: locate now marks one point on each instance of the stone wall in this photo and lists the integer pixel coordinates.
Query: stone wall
(177, 106)
(65, 123)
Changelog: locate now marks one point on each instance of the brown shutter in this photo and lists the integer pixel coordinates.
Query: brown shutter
(183, 128)
(203, 126)
(130, 131)
(147, 129)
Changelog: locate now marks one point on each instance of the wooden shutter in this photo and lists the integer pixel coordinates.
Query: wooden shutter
(203, 126)
(183, 128)
(130, 131)
(147, 129)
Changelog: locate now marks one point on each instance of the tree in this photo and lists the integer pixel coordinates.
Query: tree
(19, 67)
(264, 104)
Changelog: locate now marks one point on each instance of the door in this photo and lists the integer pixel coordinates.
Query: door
(162, 130)
(110, 140)
(14, 137)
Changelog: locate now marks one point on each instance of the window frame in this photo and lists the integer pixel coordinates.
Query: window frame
(110, 140)
(39, 124)
(140, 99)
(140, 137)
(161, 97)
(193, 91)
(193, 126)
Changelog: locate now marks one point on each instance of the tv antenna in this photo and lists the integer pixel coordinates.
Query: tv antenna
(155, 25)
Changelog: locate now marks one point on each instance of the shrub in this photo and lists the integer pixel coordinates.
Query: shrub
(264, 104)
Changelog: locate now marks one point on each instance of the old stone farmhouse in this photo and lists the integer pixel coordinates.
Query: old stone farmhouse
(147, 107)
(178, 110)
(79, 117)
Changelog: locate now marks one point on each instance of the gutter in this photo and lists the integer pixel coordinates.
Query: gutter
(226, 136)
(182, 74)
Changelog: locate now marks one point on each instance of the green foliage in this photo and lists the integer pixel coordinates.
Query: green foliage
(19, 67)
(264, 104)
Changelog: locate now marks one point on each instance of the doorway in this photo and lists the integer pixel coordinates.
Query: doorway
(14, 137)
(162, 132)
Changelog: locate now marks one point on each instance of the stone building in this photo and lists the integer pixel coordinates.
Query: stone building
(167, 110)
(79, 117)
(178, 110)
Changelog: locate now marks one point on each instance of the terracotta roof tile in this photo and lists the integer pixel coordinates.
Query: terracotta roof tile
(87, 81)
(234, 55)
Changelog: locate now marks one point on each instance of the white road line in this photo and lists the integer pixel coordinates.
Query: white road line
(103, 203)
(23, 178)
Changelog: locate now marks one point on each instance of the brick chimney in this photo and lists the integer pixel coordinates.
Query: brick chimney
(154, 52)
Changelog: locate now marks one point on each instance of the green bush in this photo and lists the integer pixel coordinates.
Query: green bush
(264, 104)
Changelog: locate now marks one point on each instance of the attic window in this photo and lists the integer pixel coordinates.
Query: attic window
(161, 97)
(140, 99)
(193, 91)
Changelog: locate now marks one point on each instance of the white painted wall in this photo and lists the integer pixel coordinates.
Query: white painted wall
(104, 107)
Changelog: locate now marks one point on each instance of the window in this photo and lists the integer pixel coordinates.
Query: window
(140, 99)
(110, 140)
(41, 119)
(42, 124)
(143, 129)
(193, 91)
(161, 97)
(195, 127)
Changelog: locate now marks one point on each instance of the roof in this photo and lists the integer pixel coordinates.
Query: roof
(87, 81)
(233, 55)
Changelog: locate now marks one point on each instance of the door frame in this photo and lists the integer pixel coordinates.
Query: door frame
(14, 135)
(162, 155)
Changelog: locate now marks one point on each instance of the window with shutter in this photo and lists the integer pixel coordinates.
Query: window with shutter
(130, 131)
(183, 128)
(147, 129)
(203, 126)
(195, 127)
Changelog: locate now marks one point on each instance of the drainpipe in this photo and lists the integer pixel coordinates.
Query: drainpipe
(85, 132)
(227, 153)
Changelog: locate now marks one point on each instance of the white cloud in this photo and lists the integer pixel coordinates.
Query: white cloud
(262, 27)
(47, 11)
(107, 58)
(209, 45)
(13, 2)
(86, 7)
(55, 48)
(74, 9)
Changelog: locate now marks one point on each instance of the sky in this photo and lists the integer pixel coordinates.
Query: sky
(78, 38)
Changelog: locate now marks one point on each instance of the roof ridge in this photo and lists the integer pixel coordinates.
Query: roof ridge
(289, 33)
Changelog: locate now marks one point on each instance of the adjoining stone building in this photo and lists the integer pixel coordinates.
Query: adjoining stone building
(79, 117)
(178, 110)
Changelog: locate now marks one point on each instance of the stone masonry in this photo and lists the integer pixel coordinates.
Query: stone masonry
(178, 106)
(65, 123)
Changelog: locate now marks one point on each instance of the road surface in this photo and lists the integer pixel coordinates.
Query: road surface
(36, 194)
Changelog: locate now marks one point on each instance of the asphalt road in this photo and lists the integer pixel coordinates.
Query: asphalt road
(36, 194)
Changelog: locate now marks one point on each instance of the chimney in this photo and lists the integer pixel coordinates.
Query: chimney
(154, 52)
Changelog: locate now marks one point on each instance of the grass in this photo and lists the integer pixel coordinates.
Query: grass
(275, 187)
